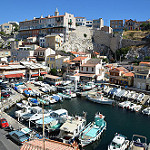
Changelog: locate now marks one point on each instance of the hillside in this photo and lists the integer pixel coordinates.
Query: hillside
(135, 35)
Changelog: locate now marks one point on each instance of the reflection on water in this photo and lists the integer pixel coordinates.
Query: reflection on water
(118, 120)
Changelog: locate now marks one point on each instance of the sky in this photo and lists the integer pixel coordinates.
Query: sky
(91, 9)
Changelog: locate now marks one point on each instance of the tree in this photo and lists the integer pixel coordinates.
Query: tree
(53, 72)
(16, 27)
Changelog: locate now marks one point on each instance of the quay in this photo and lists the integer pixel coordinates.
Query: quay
(13, 122)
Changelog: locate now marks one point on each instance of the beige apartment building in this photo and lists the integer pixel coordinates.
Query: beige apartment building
(7, 28)
(98, 23)
(47, 25)
(53, 41)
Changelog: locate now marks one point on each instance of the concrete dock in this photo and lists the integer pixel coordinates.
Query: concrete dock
(14, 123)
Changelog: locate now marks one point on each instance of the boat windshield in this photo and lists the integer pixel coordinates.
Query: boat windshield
(115, 145)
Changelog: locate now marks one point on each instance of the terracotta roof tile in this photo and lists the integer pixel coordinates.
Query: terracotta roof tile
(79, 58)
(129, 74)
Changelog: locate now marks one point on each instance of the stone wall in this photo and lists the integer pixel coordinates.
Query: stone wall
(79, 40)
(128, 42)
(104, 38)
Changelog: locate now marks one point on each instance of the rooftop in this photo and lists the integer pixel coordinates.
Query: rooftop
(79, 58)
(129, 74)
(40, 49)
(49, 145)
(43, 18)
(51, 76)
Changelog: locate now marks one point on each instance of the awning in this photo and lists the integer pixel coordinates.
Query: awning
(35, 75)
(85, 75)
(43, 72)
(19, 75)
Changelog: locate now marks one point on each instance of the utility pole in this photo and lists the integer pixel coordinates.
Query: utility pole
(43, 128)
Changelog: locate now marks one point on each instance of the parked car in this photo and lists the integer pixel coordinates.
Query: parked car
(4, 123)
(20, 136)
(4, 94)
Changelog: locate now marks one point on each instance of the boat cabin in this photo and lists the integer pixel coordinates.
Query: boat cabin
(72, 127)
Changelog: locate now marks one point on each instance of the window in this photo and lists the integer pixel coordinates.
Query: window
(82, 68)
(86, 68)
(92, 69)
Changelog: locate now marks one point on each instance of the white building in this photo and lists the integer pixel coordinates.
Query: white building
(91, 70)
(80, 21)
(42, 53)
(43, 26)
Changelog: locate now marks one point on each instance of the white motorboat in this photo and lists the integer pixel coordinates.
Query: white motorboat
(131, 106)
(88, 86)
(23, 111)
(72, 94)
(39, 115)
(119, 95)
(93, 130)
(137, 108)
(136, 96)
(61, 115)
(119, 142)
(64, 96)
(140, 97)
(23, 104)
(124, 104)
(146, 111)
(125, 94)
(66, 82)
(127, 104)
(98, 98)
(137, 144)
(116, 92)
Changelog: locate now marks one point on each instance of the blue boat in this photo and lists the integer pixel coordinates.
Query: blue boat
(33, 101)
(26, 93)
(93, 130)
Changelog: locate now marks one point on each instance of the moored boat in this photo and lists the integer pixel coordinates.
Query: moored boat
(98, 98)
(138, 142)
(93, 130)
(119, 142)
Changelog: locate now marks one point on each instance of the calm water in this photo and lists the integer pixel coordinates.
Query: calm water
(118, 120)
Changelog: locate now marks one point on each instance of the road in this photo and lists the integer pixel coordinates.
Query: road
(7, 144)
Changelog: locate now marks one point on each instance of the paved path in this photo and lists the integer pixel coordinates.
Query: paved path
(7, 144)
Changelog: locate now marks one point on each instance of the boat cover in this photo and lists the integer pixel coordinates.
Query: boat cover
(56, 98)
(47, 120)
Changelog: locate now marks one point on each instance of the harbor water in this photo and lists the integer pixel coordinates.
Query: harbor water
(118, 120)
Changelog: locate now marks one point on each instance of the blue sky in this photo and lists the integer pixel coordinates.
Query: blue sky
(91, 9)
